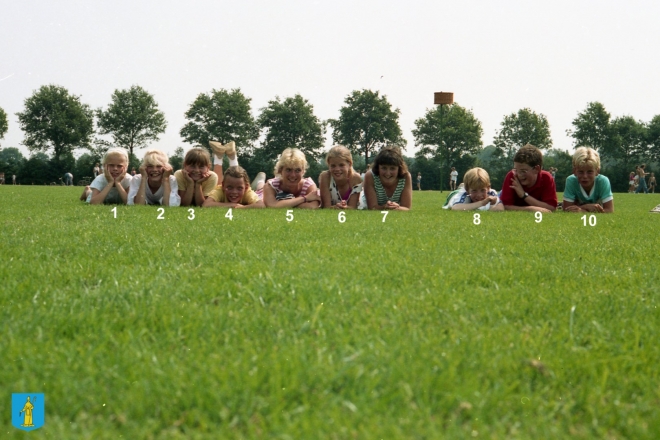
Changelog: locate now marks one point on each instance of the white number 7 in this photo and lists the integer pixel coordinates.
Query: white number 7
(384, 215)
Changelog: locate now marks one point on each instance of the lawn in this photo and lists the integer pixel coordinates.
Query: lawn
(425, 325)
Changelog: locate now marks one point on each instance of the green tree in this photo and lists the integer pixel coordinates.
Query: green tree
(132, 119)
(290, 123)
(366, 123)
(55, 119)
(448, 134)
(524, 127)
(653, 138)
(84, 167)
(592, 128)
(629, 142)
(11, 161)
(176, 160)
(36, 170)
(222, 116)
(561, 160)
(4, 125)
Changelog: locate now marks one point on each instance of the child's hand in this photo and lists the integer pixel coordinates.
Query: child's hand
(572, 208)
(313, 197)
(517, 186)
(543, 210)
(187, 177)
(341, 205)
(204, 178)
(143, 171)
(593, 208)
(167, 171)
(490, 199)
(391, 205)
(106, 173)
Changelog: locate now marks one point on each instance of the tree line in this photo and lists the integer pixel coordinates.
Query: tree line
(56, 123)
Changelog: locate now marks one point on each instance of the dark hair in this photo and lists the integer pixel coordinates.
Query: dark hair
(530, 155)
(390, 156)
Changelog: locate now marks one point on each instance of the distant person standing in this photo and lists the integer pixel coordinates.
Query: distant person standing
(642, 179)
(453, 177)
(13, 179)
(97, 170)
(652, 183)
(419, 181)
(631, 182)
(68, 179)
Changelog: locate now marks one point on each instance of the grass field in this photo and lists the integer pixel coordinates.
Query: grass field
(424, 326)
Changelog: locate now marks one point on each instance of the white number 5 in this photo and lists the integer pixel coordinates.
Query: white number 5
(289, 215)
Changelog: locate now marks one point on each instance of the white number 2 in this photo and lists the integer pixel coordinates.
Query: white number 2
(161, 216)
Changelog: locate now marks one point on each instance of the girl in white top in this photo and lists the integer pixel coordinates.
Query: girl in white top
(111, 186)
(340, 185)
(155, 185)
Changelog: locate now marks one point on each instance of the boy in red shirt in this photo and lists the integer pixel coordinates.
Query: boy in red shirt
(527, 187)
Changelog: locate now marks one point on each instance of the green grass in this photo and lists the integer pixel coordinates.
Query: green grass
(424, 326)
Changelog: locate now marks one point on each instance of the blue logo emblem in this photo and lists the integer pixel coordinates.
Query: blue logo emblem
(28, 411)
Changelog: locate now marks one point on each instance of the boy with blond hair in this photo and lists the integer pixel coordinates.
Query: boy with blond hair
(527, 187)
(476, 194)
(586, 189)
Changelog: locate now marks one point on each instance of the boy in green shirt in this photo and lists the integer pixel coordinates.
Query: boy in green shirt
(587, 190)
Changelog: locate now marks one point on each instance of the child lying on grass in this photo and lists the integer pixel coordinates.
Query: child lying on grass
(235, 191)
(476, 194)
(111, 186)
(155, 185)
(587, 190)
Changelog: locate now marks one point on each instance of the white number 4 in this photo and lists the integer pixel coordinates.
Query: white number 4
(229, 215)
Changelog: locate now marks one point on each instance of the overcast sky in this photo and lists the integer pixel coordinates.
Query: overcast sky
(496, 56)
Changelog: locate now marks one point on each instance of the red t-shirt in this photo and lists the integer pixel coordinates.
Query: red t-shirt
(543, 190)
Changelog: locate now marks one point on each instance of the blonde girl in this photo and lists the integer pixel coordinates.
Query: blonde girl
(155, 185)
(289, 189)
(110, 187)
(340, 185)
(196, 180)
(235, 191)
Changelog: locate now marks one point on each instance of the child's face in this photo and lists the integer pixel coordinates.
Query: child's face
(155, 172)
(339, 168)
(477, 195)
(292, 173)
(234, 188)
(116, 165)
(586, 176)
(525, 173)
(388, 173)
(196, 172)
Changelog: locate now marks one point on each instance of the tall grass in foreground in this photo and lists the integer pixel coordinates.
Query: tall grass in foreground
(422, 326)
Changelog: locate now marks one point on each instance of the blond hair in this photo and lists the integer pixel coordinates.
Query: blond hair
(197, 156)
(115, 151)
(291, 157)
(155, 158)
(585, 157)
(476, 178)
(343, 153)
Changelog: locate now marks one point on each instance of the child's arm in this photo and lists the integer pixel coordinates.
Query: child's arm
(167, 186)
(98, 197)
(140, 198)
(198, 192)
(475, 205)
(187, 195)
(531, 201)
(370, 192)
(120, 189)
(406, 195)
(255, 205)
(271, 202)
(324, 183)
(312, 199)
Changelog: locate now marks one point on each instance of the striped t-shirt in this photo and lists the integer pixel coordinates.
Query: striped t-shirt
(382, 196)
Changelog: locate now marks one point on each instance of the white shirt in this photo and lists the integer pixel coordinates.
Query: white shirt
(154, 198)
(113, 196)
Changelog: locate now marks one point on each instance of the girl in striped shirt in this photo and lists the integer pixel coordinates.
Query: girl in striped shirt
(388, 185)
